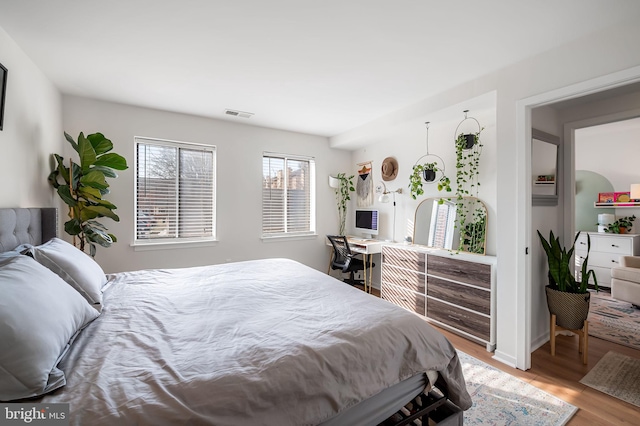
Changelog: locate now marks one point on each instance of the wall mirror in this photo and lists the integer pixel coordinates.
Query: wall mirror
(452, 224)
(544, 168)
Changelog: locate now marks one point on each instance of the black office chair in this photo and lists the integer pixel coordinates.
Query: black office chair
(345, 260)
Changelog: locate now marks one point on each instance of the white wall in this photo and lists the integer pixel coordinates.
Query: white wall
(597, 55)
(32, 130)
(612, 150)
(239, 179)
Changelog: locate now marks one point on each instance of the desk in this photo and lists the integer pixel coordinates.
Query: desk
(367, 248)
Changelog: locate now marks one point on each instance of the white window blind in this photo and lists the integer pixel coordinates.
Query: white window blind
(288, 195)
(175, 191)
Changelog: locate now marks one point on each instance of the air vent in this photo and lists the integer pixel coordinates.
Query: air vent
(235, 113)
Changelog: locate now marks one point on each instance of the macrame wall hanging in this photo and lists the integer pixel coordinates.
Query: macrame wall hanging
(364, 185)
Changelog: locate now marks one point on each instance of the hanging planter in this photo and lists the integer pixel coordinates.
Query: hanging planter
(429, 175)
(469, 140)
(468, 150)
(428, 172)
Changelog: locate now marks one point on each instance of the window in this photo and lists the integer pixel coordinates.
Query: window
(288, 195)
(175, 191)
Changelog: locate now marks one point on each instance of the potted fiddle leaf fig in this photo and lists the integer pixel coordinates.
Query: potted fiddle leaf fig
(83, 184)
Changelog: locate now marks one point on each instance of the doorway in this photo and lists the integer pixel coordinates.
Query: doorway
(568, 99)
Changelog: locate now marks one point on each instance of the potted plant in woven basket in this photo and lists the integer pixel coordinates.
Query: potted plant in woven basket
(567, 298)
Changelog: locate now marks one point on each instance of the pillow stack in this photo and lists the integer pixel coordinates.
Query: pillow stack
(47, 299)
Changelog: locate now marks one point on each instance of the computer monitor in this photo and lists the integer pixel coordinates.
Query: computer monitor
(367, 222)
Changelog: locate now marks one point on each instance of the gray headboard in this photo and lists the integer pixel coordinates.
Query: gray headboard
(27, 225)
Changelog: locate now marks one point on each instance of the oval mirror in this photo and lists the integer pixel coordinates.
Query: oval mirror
(451, 224)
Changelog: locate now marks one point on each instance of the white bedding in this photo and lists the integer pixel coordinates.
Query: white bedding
(260, 342)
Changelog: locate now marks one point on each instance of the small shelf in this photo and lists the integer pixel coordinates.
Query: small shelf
(616, 205)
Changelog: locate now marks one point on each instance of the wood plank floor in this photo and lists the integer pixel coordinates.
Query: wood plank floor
(560, 376)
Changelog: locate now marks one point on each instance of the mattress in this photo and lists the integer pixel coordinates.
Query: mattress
(259, 342)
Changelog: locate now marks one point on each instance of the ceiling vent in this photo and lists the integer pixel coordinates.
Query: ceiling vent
(241, 114)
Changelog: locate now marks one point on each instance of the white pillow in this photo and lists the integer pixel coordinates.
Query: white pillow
(40, 315)
(73, 266)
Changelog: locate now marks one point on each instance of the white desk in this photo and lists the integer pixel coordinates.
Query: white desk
(367, 248)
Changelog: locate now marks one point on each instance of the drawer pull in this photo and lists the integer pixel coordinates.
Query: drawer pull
(613, 245)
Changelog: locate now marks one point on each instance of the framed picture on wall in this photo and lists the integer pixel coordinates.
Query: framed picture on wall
(3, 90)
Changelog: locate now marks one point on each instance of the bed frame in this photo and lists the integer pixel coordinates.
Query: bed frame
(38, 225)
(27, 226)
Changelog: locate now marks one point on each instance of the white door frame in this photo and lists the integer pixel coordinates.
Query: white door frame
(523, 208)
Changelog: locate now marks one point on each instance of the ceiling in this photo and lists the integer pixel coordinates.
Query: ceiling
(321, 67)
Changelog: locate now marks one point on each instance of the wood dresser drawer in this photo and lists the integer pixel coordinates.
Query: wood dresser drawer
(409, 300)
(468, 297)
(408, 259)
(411, 280)
(469, 322)
(477, 274)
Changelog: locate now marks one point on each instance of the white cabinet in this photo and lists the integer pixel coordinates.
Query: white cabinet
(605, 253)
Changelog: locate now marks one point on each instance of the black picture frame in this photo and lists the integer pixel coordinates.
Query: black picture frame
(3, 91)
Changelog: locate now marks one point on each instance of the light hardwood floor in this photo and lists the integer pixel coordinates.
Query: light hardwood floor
(560, 375)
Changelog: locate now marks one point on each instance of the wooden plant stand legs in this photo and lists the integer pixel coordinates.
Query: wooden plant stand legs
(583, 338)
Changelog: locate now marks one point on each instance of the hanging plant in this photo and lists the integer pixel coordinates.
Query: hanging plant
(345, 187)
(468, 150)
(428, 172)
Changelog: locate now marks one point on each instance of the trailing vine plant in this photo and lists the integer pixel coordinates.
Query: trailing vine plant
(470, 219)
(415, 180)
(345, 187)
(429, 172)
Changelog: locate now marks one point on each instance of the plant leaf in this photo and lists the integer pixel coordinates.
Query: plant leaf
(112, 160)
(86, 152)
(72, 142)
(94, 179)
(102, 211)
(72, 227)
(99, 143)
(65, 193)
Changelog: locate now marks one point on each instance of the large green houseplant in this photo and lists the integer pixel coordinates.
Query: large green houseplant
(81, 185)
(567, 297)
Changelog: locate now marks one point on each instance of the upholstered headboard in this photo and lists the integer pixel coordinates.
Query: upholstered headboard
(27, 225)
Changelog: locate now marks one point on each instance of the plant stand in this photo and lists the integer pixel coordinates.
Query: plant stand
(583, 338)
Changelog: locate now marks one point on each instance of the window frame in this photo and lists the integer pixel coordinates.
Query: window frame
(312, 232)
(174, 241)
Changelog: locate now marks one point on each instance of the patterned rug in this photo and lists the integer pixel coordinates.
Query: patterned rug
(616, 375)
(614, 320)
(502, 399)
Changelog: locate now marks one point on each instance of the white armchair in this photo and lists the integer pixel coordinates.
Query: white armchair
(625, 280)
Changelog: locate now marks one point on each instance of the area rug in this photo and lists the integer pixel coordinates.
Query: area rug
(616, 375)
(502, 399)
(614, 320)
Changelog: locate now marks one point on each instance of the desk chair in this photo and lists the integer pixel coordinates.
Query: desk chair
(344, 259)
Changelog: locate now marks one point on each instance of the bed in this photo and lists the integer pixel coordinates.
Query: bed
(267, 341)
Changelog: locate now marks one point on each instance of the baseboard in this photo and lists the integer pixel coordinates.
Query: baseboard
(504, 358)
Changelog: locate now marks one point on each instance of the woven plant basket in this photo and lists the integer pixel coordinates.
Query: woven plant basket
(570, 309)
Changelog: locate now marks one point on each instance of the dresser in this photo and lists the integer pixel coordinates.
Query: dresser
(605, 253)
(453, 291)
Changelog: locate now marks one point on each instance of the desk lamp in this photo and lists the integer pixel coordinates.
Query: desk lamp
(384, 198)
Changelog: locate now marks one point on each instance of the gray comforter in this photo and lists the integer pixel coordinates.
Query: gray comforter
(268, 342)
